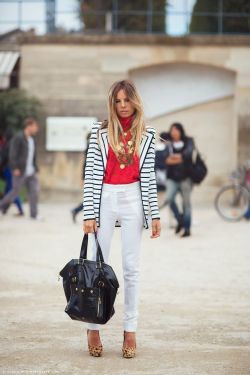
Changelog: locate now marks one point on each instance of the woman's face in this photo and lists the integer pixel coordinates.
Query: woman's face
(175, 134)
(124, 108)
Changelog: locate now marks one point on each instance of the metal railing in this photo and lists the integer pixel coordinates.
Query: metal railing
(170, 21)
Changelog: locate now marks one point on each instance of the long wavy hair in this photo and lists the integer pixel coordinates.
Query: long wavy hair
(113, 125)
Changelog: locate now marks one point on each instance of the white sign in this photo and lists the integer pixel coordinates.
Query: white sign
(68, 133)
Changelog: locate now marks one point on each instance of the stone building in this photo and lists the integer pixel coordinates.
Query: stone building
(203, 82)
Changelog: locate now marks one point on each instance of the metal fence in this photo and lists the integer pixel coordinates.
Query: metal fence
(178, 17)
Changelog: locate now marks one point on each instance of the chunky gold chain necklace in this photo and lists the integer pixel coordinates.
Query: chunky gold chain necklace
(125, 151)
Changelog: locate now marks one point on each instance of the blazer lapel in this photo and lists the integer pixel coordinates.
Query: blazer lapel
(103, 142)
(144, 145)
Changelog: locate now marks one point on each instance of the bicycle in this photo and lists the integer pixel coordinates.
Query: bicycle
(232, 202)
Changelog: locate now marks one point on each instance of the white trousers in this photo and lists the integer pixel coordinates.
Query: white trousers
(123, 202)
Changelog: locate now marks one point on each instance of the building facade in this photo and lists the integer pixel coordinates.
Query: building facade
(202, 82)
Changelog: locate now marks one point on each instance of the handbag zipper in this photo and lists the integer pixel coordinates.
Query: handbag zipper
(99, 301)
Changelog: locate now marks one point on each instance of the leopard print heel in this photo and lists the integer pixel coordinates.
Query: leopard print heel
(95, 350)
(129, 351)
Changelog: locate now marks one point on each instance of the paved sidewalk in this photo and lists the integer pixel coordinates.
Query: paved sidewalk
(194, 305)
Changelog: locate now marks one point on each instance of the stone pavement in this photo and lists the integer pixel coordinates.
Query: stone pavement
(194, 302)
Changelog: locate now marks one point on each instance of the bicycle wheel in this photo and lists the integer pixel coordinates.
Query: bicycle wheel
(232, 202)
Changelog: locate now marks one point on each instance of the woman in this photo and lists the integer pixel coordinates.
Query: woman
(120, 190)
(178, 162)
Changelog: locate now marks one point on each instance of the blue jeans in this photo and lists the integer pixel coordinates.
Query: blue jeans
(184, 188)
(7, 175)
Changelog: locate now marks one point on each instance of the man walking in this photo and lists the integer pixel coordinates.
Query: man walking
(22, 161)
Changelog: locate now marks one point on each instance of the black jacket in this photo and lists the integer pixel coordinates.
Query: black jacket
(179, 172)
(18, 152)
(160, 159)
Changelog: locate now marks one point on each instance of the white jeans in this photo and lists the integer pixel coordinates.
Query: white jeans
(123, 202)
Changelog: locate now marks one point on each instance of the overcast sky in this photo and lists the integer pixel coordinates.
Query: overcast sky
(33, 15)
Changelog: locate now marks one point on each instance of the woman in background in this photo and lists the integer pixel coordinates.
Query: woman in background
(178, 161)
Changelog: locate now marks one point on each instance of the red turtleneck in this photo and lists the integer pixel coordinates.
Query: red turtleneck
(113, 173)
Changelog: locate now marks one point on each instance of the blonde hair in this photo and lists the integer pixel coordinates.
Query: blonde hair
(113, 125)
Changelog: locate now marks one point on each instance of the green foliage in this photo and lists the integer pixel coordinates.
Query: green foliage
(124, 22)
(15, 107)
(230, 24)
(205, 24)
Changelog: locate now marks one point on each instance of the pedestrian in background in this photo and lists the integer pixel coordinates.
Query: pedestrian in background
(161, 152)
(22, 161)
(179, 161)
(6, 173)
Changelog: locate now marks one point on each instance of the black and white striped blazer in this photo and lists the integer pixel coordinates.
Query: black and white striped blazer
(96, 160)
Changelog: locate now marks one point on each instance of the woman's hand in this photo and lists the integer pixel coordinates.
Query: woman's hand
(17, 172)
(156, 228)
(89, 226)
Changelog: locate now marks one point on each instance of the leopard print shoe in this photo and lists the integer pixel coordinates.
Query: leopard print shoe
(95, 350)
(128, 351)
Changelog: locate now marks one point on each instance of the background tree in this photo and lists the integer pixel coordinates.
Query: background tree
(15, 106)
(230, 24)
(128, 22)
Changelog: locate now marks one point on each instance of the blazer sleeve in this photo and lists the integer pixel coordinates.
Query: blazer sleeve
(88, 168)
(153, 198)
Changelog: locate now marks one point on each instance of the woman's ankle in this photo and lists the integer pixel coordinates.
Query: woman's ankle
(94, 332)
(129, 339)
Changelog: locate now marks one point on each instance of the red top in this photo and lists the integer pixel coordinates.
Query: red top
(113, 173)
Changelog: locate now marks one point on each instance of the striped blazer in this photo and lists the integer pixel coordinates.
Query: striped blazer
(96, 160)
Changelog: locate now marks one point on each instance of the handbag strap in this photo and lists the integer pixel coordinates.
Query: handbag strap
(84, 248)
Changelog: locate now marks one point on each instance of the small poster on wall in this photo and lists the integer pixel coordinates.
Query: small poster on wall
(68, 133)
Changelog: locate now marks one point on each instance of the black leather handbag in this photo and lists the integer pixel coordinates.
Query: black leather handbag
(90, 287)
(198, 169)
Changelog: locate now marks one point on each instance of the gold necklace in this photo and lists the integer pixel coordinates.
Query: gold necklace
(126, 157)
